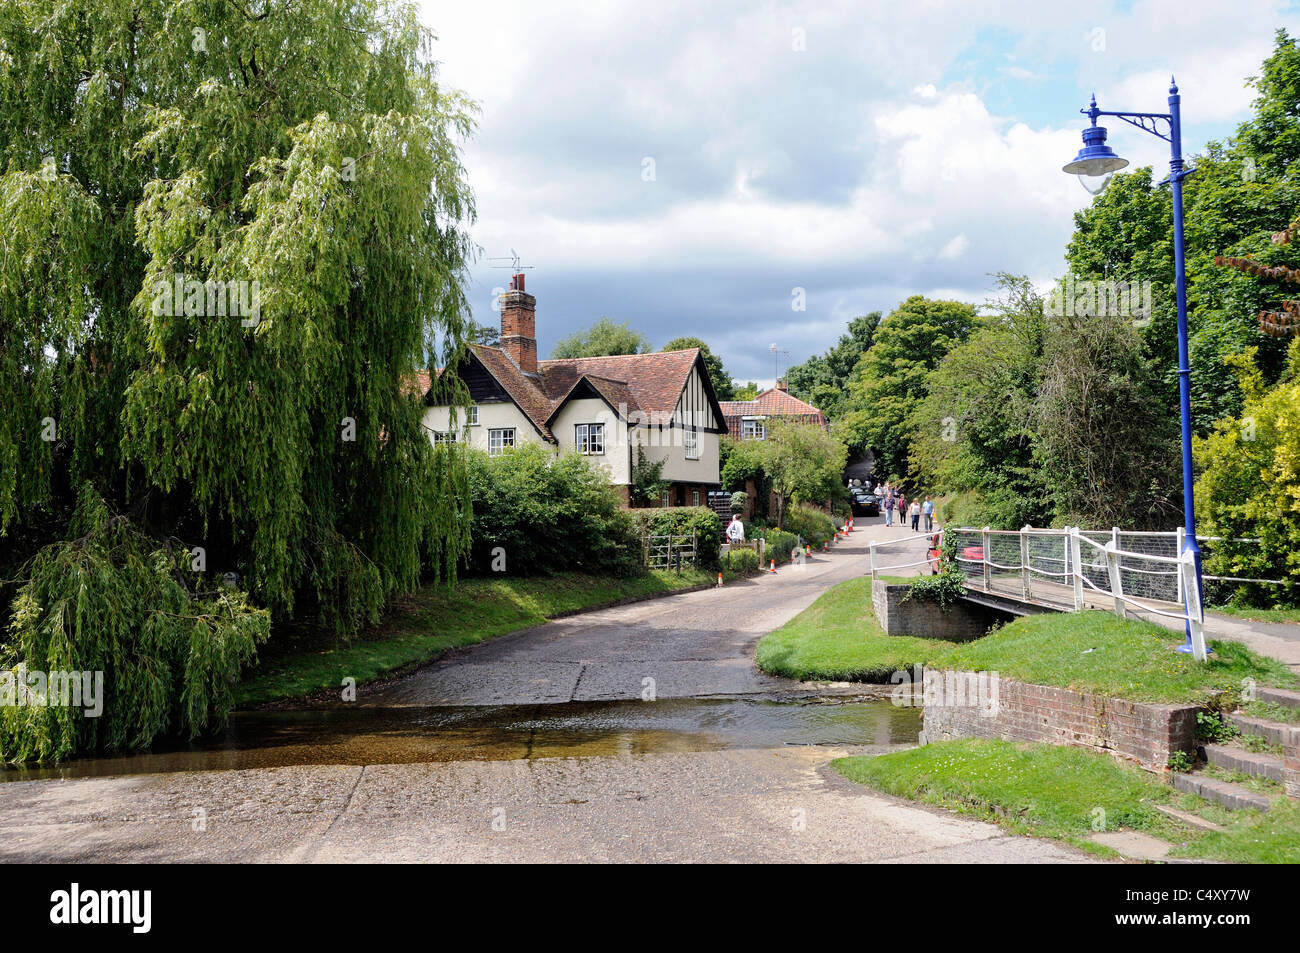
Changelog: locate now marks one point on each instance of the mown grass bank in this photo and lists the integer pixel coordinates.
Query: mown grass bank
(838, 638)
(1068, 794)
(436, 619)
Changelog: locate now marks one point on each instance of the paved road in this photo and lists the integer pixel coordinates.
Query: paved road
(747, 804)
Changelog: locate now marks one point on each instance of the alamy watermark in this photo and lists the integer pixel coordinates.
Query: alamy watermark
(21, 687)
(932, 688)
(189, 297)
(1087, 298)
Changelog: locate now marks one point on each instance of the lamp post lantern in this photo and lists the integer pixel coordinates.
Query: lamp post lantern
(1098, 159)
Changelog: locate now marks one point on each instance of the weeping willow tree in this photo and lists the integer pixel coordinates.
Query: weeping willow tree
(230, 232)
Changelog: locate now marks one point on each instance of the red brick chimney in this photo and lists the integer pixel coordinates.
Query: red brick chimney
(518, 326)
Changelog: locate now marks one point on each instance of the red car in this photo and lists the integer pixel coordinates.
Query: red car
(973, 553)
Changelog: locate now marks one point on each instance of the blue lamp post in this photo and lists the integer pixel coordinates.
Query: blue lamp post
(1098, 159)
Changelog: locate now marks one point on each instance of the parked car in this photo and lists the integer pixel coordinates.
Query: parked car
(974, 553)
(863, 503)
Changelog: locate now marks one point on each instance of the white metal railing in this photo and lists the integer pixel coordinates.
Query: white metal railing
(1132, 577)
(875, 546)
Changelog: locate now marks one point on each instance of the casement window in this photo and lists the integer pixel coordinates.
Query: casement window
(666, 500)
(500, 439)
(691, 444)
(589, 439)
(443, 436)
(473, 415)
(752, 430)
(695, 497)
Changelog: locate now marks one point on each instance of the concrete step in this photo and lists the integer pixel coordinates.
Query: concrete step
(1279, 696)
(1232, 796)
(1256, 764)
(1274, 732)
(1191, 820)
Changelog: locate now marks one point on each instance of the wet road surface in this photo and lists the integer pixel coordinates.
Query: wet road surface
(641, 733)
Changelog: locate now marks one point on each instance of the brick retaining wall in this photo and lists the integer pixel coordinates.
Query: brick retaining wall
(959, 623)
(1145, 732)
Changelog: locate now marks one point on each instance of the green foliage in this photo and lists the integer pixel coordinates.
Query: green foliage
(891, 378)
(328, 187)
(682, 521)
(1272, 136)
(779, 545)
(740, 562)
(724, 388)
(541, 514)
(738, 501)
(1211, 727)
(813, 525)
(823, 380)
(169, 644)
(647, 485)
(1249, 487)
(803, 461)
(749, 391)
(1180, 762)
(943, 588)
(602, 338)
(974, 433)
(1107, 449)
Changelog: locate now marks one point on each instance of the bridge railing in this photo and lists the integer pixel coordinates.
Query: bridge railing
(879, 550)
(1068, 563)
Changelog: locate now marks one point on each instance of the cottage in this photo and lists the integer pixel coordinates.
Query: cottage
(748, 419)
(606, 408)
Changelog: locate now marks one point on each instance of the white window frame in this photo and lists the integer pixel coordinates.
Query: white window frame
(753, 428)
(471, 416)
(498, 434)
(585, 438)
(691, 443)
(444, 436)
(667, 499)
(695, 497)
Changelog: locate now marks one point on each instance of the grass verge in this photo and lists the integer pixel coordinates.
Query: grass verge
(436, 619)
(1096, 652)
(837, 638)
(1066, 793)
(1258, 615)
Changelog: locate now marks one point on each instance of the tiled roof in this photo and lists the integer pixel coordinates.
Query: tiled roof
(773, 402)
(648, 383)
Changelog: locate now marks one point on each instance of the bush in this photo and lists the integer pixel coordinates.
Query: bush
(813, 525)
(536, 513)
(741, 562)
(738, 501)
(779, 544)
(681, 521)
(163, 646)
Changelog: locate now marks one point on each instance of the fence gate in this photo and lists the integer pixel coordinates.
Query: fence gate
(670, 551)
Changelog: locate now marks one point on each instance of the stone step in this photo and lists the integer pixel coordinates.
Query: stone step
(1256, 764)
(1279, 696)
(1274, 732)
(1191, 820)
(1232, 796)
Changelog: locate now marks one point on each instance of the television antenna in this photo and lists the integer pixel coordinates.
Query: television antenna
(514, 265)
(776, 350)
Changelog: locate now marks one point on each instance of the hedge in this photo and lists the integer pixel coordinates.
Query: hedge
(813, 525)
(740, 561)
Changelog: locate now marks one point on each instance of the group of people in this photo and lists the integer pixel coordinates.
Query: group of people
(895, 501)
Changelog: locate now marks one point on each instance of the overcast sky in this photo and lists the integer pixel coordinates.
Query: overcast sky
(687, 166)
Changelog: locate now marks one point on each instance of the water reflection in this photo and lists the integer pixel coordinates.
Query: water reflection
(500, 733)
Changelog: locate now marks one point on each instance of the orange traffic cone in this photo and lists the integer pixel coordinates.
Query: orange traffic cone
(719, 580)
(773, 569)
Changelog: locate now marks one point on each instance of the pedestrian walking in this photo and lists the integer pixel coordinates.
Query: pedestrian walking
(915, 512)
(889, 504)
(927, 510)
